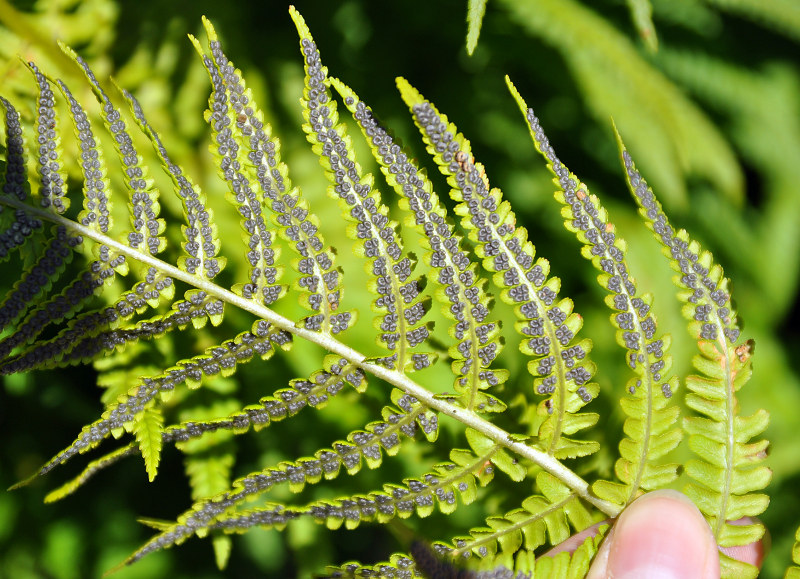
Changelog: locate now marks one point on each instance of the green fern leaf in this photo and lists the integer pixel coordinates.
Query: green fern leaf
(475, 11)
(50, 321)
(540, 517)
(19, 225)
(730, 469)
(546, 324)
(650, 422)
(675, 139)
(376, 235)
(147, 430)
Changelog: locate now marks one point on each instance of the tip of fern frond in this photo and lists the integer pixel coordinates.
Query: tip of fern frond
(157, 524)
(212, 33)
(339, 85)
(409, 94)
(299, 22)
(24, 482)
(618, 136)
(510, 85)
(114, 569)
(197, 46)
(66, 49)
(117, 86)
(523, 106)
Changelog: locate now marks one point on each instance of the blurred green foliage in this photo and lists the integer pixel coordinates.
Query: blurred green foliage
(712, 116)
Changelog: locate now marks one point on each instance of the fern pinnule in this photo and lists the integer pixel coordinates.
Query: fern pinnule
(52, 189)
(547, 325)
(53, 184)
(420, 496)
(18, 225)
(400, 306)
(319, 284)
(540, 519)
(407, 418)
(461, 291)
(400, 333)
(464, 297)
(730, 467)
(650, 418)
(231, 105)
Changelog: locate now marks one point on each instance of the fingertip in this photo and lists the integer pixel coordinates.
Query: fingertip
(662, 534)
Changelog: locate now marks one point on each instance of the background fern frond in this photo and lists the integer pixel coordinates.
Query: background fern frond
(616, 81)
(475, 11)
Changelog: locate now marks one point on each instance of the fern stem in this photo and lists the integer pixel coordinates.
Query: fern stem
(466, 417)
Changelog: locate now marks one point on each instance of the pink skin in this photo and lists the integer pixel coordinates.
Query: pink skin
(661, 535)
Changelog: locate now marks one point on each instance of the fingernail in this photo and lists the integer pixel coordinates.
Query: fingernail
(662, 535)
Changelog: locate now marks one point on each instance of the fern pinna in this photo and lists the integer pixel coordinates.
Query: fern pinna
(59, 314)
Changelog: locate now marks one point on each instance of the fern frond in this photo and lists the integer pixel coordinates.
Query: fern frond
(19, 225)
(546, 324)
(475, 11)
(407, 418)
(540, 517)
(220, 359)
(399, 305)
(435, 490)
(319, 283)
(233, 163)
(462, 296)
(675, 136)
(147, 430)
(52, 184)
(200, 236)
(399, 566)
(650, 422)
(314, 392)
(730, 468)
(781, 15)
(51, 194)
